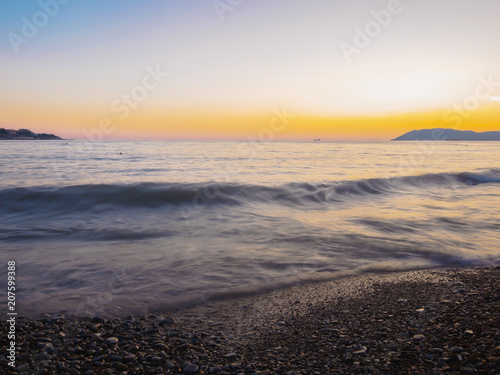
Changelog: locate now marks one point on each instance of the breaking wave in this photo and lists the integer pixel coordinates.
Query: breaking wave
(152, 195)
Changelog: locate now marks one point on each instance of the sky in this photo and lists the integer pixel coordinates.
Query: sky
(223, 69)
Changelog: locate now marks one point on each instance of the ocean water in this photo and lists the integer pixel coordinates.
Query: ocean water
(131, 227)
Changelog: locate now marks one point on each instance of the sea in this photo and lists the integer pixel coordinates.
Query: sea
(130, 227)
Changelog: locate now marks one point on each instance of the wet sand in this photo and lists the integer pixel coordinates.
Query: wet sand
(444, 321)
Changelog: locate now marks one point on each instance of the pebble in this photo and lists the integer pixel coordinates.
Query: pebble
(111, 341)
(167, 321)
(122, 367)
(362, 350)
(97, 338)
(43, 339)
(418, 337)
(191, 369)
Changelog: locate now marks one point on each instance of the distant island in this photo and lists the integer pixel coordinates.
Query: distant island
(24, 134)
(440, 134)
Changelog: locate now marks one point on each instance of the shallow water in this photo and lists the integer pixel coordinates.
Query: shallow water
(120, 227)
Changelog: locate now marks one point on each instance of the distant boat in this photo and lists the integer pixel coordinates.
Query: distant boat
(316, 140)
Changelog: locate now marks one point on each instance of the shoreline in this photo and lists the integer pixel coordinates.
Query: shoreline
(436, 321)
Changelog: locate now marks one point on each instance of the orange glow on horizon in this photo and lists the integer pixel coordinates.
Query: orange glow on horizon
(183, 125)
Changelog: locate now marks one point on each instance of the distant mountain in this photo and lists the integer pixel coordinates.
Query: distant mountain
(25, 134)
(440, 134)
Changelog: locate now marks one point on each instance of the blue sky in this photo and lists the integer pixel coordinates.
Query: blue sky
(262, 54)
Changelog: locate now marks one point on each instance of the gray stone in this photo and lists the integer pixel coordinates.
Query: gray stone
(120, 366)
(97, 338)
(44, 345)
(43, 339)
(111, 341)
(360, 351)
(167, 321)
(191, 369)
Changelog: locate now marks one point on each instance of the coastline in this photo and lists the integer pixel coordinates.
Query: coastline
(436, 321)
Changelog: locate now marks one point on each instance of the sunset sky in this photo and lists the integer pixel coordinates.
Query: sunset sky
(221, 71)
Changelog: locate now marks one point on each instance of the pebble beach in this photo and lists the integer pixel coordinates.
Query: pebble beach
(441, 321)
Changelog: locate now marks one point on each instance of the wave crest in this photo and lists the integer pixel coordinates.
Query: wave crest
(153, 195)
